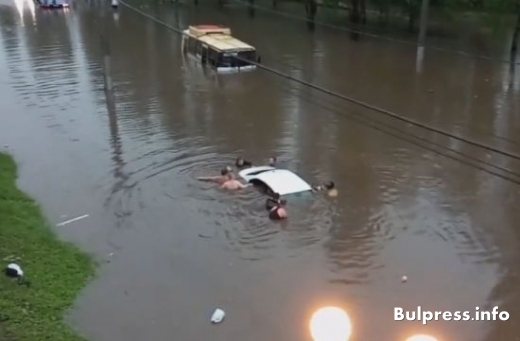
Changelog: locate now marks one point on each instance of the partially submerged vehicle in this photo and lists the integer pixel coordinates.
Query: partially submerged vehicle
(214, 45)
(274, 180)
(50, 4)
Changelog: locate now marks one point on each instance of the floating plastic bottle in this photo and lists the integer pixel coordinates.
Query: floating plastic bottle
(218, 316)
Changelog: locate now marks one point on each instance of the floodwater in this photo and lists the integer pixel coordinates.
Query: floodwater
(172, 249)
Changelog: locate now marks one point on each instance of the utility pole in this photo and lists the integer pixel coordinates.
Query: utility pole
(105, 49)
(422, 34)
(251, 8)
(311, 8)
(106, 61)
(516, 32)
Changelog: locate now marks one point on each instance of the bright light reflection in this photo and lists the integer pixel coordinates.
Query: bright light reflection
(32, 8)
(19, 7)
(421, 337)
(20, 4)
(331, 324)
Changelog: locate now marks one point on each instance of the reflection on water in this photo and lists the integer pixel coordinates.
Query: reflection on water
(133, 158)
(421, 337)
(20, 6)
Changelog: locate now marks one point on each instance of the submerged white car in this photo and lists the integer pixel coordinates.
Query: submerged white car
(281, 181)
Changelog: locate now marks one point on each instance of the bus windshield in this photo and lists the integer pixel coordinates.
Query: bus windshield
(237, 59)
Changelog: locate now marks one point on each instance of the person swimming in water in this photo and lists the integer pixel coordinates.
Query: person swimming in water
(329, 186)
(271, 202)
(279, 212)
(221, 179)
(272, 161)
(232, 184)
(241, 163)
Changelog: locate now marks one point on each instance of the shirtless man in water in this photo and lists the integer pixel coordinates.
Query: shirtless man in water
(232, 184)
(221, 179)
(329, 187)
(278, 212)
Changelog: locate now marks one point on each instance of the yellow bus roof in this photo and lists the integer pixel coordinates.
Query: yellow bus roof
(200, 30)
(218, 37)
(224, 42)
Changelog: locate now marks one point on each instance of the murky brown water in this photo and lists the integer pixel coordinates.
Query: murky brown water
(133, 166)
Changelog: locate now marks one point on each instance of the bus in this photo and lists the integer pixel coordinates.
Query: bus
(214, 46)
(53, 4)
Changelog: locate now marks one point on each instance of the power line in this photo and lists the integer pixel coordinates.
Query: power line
(373, 35)
(360, 119)
(347, 98)
(376, 109)
(493, 135)
(506, 139)
(384, 111)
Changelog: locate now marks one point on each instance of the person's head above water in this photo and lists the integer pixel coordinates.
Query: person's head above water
(241, 162)
(224, 171)
(272, 161)
(329, 185)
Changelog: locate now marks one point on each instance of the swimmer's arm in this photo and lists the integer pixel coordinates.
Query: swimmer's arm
(208, 178)
(245, 185)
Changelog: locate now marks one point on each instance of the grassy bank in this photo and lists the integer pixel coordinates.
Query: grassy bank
(57, 270)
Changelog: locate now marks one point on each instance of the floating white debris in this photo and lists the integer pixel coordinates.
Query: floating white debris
(14, 270)
(73, 220)
(218, 316)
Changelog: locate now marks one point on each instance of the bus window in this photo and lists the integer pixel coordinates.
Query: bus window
(226, 60)
(184, 44)
(204, 53)
(237, 59)
(247, 55)
(198, 48)
(191, 45)
(213, 57)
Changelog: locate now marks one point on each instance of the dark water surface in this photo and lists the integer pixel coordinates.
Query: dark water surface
(133, 166)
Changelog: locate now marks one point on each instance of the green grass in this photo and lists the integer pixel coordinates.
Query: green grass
(57, 270)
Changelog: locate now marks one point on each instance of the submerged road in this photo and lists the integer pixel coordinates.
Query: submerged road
(173, 249)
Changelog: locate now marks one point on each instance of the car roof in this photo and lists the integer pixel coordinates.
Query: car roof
(252, 171)
(281, 181)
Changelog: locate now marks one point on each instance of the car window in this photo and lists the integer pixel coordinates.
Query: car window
(258, 172)
(262, 186)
